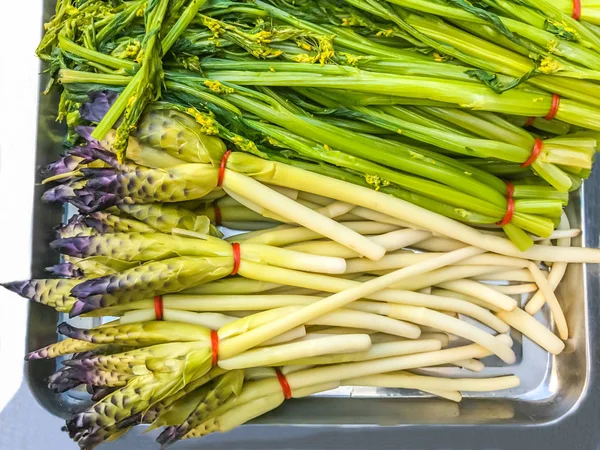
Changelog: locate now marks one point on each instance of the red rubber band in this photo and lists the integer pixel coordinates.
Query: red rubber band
(554, 108)
(510, 207)
(576, 9)
(218, 217)
(222, 168)
(530, 121)
(537, 148)
(158, 307)
(214, 344)
(285, 386)
(236, 258)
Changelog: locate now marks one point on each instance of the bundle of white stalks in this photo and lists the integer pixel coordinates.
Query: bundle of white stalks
(432, 300)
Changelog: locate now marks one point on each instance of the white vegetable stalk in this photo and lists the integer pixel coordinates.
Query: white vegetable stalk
(427, 317)
(280, 204)
(214, 321)
(235, 285)
(482, 292)
(457, 295)
(276, 355)
(254, 401)
(520, 275)
(254, 337)
(359, 211)
(365, 320)
(413, 299)
(556, 274)
(259, 397)
(439, 244)
(392, 241)
(548, 291)
(288, 192)
(409, 380)
(257, 208)
(270, 255)
(516, 289)
(453, 396)
(331, 284)
(421, 218)
(291, 259)
(339, 318)
(381, 350)
(287, 234)
(292, 290)
(292, 335)
(455, 272)
(435, 302)
(392, 364)
(534, 330)
(474, 365)
(244, 412)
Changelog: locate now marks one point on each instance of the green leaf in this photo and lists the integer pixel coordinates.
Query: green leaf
(493, 82)
(490, 17)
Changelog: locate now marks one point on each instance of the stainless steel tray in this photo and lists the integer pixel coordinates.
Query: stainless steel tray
(555, 407)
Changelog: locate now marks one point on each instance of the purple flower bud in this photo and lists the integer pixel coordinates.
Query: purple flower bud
(95, 286)
(80, 308)
(65, 270)
(70, 331)
(98, 393)
(74, 226)
(98, 106)
(24, 288)
(41, 353)
(78, 246)
(92, 152)
(65, 164)
(65, 379)
(95, 221)
(89, 200)
(61, 193)
(92, 303)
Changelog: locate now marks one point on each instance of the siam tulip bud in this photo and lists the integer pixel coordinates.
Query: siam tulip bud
(75, 226)
(65, 269)
(53, 292)
(142, 185)
(106, 222)
(139, 246)
(140, 334)
(210, 398)
(63, 165)
(148, 280)
(97, 423)
(164, 217)
(64, 347)
(181, 135)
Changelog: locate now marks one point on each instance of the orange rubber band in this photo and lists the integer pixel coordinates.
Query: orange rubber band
(236, 258)
(530, 121)
(510, 207)
(554, 108)
(222, 168)
(285, 386)
(158, 307)
(576, 9)
(214, 344)
(537, 148)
